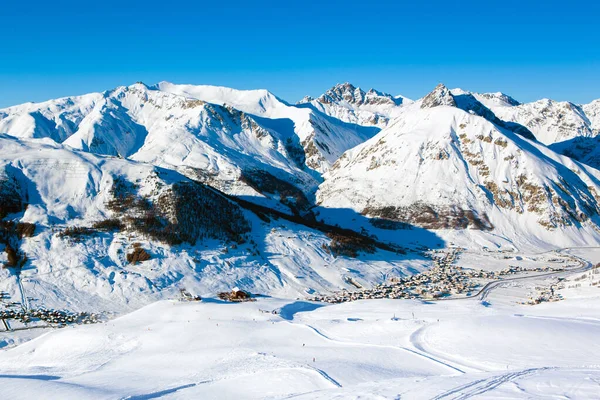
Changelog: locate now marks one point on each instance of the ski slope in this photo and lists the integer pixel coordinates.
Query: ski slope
(275, 348)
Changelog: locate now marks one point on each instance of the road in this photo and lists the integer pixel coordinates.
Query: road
(485, 291)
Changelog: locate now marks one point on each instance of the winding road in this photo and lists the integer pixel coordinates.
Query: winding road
(485, 291)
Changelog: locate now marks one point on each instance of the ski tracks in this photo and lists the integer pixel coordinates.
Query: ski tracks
(481, 386)
(416, 340)
(401, 348)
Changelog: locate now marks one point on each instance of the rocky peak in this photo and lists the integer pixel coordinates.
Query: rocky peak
(440, 96)
(346, 92)
(376, 97)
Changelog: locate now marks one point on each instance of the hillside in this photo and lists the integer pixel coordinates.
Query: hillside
(90, 213)
(440, 167)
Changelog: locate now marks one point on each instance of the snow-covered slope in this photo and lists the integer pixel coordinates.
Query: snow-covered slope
(56, 119)
(209, 142)
(383, 349)
(550, 121)
(585, 148)
(581, 148)
(592, 112)
(322, 137)
(90, 211)
(497, 99)
(469, 102)
(567, 128)
(440, 167)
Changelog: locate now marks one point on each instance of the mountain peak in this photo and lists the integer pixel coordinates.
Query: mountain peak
(344, 92)
(348, 93)
(140, 84)
(440, 96)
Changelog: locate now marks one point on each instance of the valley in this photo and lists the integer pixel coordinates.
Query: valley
(487, 345)
(444, 247)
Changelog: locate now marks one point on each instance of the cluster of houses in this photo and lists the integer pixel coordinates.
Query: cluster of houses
(441, 280)
(58, 317)
(444, 279)
(516, 269)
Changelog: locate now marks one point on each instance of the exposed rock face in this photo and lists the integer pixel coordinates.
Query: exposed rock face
(431, 216)
(440, 96)
(445, 168)
(350, 94)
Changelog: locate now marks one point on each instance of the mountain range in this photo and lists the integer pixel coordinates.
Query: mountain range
(223, 187)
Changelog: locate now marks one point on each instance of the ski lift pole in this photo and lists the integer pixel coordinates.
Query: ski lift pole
(6, 326)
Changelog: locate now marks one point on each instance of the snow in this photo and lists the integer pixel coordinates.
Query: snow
(550, 121)
(330, 136)
(368, 348)
(592, 112)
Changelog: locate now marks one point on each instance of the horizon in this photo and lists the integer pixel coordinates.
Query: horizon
(546, 50)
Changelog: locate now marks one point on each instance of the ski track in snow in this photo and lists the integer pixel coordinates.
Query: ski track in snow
(167, 391)
(422, 354)
(416, 339)
(481, 386)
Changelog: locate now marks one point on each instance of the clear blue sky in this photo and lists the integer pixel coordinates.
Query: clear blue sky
(529, 49)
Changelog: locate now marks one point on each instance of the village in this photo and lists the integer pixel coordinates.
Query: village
(443, 280)
(15, 314)
(550, 293)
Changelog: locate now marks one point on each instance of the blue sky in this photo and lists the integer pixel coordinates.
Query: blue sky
(528, 49)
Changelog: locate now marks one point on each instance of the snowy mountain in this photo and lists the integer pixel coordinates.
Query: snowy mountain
(592, 112)
(440, 167)
(322, 138)
(584, 148)
(498, 99)
(550, 121)
(216, 135)
(565, 127)
(352, 104)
